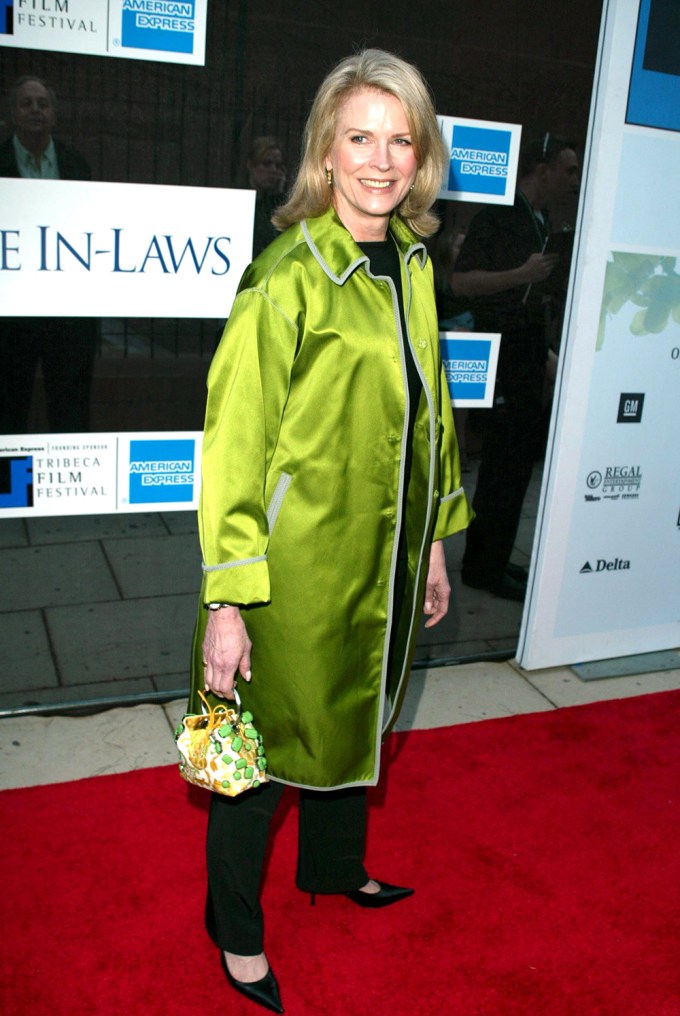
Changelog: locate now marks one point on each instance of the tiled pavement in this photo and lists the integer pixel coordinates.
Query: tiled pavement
(99, 607)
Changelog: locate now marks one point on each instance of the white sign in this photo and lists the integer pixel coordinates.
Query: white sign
(92, 474)
(483, 158)
(121, 250)
(470, 360)
(170, 31)
(605, 578)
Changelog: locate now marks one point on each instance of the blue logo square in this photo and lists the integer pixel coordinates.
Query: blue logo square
(466, 365)
(16, 481)
(480, 160)
(161, 471)
(6, 17)
(167, 26)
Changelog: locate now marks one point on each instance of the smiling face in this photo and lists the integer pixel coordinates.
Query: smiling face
(373, 162)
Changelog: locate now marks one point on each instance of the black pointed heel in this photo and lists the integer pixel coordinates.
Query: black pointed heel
(264, 992)
(386, 895)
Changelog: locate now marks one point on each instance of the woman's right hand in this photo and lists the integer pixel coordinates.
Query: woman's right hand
(226, 651)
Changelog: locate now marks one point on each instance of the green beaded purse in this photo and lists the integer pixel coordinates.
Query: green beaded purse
(220, 749)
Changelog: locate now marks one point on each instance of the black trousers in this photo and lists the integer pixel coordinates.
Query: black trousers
(331, 844)
(512, 438)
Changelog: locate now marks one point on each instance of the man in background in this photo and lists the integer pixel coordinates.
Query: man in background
(503, 268)
(64, 347)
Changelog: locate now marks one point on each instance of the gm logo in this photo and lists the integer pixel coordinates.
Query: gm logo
(6, 17)
(466, 365)
(630, 407)
(16, 481)
(161, 471)
(164, 25)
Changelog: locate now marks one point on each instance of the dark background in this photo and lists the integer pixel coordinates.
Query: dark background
(147, 122)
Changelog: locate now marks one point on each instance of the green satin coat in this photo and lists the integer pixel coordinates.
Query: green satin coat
(301, 500)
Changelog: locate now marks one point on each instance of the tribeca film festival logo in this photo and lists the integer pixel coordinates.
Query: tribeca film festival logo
(467, 376)
(6, 17)
(616, 482)
(16, 481)
(630, 407)
(480, 159)
(161, 471)
(57, 15)
(162, 25)
(602, 565)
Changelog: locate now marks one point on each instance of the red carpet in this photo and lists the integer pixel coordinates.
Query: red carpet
(546, 859)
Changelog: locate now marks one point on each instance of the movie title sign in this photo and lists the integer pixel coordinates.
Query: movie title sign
(121, 250)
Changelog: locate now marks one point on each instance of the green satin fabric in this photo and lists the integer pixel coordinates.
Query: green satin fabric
(308, 384)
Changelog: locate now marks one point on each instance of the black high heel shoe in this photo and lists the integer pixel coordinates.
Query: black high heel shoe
(386, 895)
(264, 992)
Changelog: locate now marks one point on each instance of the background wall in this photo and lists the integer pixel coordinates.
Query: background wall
(165, 123)
(147, 122)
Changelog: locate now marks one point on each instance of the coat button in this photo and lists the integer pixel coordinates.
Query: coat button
(435, 494)
(422, 344)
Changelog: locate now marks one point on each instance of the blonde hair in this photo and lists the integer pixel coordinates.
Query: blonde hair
(376, 69)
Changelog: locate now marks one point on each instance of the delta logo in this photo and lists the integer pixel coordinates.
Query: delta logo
(166, 26)
(16, 481)
(466, 365)
(602, 565)
(162, 471)
(6, 17)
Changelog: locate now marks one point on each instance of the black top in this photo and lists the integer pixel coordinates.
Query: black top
(499, 238)
(384, 260)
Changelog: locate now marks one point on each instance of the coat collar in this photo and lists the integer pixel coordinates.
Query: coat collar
(338, 254)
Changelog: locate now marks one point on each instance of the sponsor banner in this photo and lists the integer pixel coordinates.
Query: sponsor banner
(170, 31)
(470, 360)
(483, 160)
(93, 474)
(122, 250)
(605, 577)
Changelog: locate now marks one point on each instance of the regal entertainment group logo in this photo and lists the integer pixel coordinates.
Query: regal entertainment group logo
(16, 481)
(162, 471)
(617, 482)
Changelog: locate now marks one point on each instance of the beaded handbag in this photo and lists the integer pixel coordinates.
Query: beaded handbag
(220, 749)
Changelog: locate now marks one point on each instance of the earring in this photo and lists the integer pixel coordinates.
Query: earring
(329, 177)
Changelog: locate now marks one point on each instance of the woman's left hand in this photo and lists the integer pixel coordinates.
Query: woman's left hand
(438, 588)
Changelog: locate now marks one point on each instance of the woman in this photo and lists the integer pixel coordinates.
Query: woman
(330, 477)
(267, 176)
